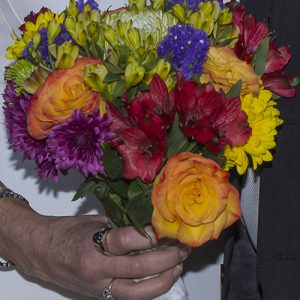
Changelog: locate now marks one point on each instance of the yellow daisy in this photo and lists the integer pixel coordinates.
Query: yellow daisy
(263, 118)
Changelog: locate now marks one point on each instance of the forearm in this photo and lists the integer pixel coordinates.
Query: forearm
(17, 221)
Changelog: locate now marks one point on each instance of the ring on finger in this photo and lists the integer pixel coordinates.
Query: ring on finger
(107, 292)
(98, 240)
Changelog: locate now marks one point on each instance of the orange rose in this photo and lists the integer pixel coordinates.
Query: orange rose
(62, 92)
(223, 68)
(193, 200)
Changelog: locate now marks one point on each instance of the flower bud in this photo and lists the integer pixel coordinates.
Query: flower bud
(70, 24)
(158, 4)
(180, 13)
(94, 77)
(53, 31)
(122, 28)
(67, 53)
(72, 9)
(133, 38)
(137, 4)
(110, 35)
(36, 40)
(134, 74)
(93, 31)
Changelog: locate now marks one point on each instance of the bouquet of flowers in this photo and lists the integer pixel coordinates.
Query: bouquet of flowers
(154, 104)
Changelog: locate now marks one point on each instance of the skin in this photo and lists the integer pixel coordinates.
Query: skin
(60, 250)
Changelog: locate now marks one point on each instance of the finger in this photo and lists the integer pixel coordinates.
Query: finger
(120, 241)
(146, 289)
(150, 263)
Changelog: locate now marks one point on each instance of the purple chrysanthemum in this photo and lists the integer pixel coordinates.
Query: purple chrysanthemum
(15, 111)
(190, 4)
(81, 3)
(77, 143)
(186, 48)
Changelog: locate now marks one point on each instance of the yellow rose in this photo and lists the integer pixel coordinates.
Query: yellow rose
(193, 200)
(223, 68)
(62, 92)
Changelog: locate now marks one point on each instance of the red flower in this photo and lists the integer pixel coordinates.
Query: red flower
(209, 117)
(277, 59)
(233, 128)
(164, 103)
(251, 35)
(141, 137)
(143, 157)
(280, 84)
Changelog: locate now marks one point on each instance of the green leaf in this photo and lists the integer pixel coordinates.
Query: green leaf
(113, 164)
(225, 42)
(119, 104)
(178, 142)
(115, 210)
(139, 207)
(120, 187)
(150, 64)
(87, 187)
(119, 89)
(295, 82)
(219, 158)
(98, 51)
(138, 88)
(260, 57)
(111, 77)
(114, 69)
(235, 90)
(124, 53)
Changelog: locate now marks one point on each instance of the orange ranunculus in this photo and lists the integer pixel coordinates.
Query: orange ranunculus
(193, 200)
(62, 92)
(223, 68)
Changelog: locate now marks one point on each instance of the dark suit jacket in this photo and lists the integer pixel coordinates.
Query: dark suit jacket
(278, 253)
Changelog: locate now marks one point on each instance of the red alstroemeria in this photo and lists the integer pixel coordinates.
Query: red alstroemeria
(280, 84)
(142, 156)
(141, 112)
(164, 103)
(231, 121)
(209, 117)
(277, 59)
(238, 10)
(141, 138)
(251, 35)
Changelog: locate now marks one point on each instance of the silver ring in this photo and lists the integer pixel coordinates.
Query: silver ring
(98, 240)
(107, 292)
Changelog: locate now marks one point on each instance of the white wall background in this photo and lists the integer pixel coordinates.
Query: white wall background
(202, 275)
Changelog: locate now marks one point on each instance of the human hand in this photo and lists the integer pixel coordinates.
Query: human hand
(60, 250)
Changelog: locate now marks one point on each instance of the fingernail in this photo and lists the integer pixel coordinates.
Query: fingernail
(184, 251)
(177, 271)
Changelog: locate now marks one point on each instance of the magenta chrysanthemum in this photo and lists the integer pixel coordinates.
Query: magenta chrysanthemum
(77, 143)
(15, 111)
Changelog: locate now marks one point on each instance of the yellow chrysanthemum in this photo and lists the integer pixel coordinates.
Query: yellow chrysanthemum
(15, 50)
(263, 118)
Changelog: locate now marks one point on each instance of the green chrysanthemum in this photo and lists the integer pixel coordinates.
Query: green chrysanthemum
(19, 72)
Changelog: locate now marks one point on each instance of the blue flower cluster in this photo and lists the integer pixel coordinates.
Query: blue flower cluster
(81, 3)
(63, 36)
(190, 4)
(186, 48)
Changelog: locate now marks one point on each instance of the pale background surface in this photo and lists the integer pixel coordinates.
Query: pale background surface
(202, 276)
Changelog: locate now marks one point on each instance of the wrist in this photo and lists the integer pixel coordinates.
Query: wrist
(17, 221)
